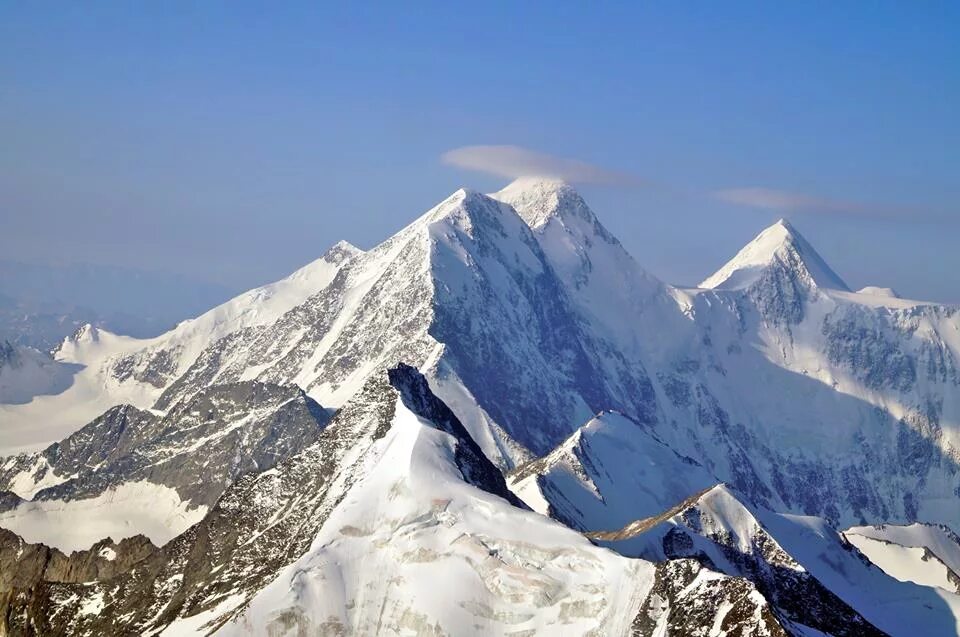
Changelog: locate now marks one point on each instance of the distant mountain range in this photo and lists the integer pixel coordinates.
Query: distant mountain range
(42, 304)
(496, 422)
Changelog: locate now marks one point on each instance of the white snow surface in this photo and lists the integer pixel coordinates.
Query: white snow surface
(897, 607)
(132, 508)
(905, 552)
(906, 563)
(878, 291)
(25, 483)
(609, 473)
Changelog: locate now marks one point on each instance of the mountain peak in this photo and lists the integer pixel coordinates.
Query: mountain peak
(539, 199)
(874, 290)
(339, 253)
(780, 244)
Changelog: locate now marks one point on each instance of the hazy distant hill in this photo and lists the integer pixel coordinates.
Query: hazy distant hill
(42, 304)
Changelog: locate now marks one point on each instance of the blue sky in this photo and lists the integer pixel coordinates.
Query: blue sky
(236, 141)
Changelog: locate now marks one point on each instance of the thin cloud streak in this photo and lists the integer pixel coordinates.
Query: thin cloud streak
(516, 161)
(784, 201)
(779, 200)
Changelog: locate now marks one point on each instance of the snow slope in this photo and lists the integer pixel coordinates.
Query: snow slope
(926, 554)
(130, 509)
(610, 472)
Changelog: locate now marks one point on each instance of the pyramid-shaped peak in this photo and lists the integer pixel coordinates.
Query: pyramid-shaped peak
(464, 207)
(778, 245)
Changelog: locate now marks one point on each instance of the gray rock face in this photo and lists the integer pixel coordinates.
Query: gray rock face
(198, 448)
(688, 599)
(22, 565)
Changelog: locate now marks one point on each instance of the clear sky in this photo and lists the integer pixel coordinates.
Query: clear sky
(236, 141)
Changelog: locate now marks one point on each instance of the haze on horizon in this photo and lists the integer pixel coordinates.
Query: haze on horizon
(233, 143)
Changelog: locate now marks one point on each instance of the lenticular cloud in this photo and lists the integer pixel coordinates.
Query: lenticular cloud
(516, 161)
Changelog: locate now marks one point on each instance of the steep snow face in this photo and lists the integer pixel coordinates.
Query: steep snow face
(899, 608)
(926, 554)
(510, 330)
(441, 293)
(779, 246)
(610, 472)
(608, 288)
(817, 403)
(816, 400)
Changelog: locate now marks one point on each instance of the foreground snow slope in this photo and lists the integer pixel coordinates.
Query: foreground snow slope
(460, 559)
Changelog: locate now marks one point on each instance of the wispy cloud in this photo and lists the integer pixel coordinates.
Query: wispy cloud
(516, 161)
(780, 200)
(785, 201)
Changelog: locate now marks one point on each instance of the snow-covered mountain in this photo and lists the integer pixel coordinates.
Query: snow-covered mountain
(603, 394)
